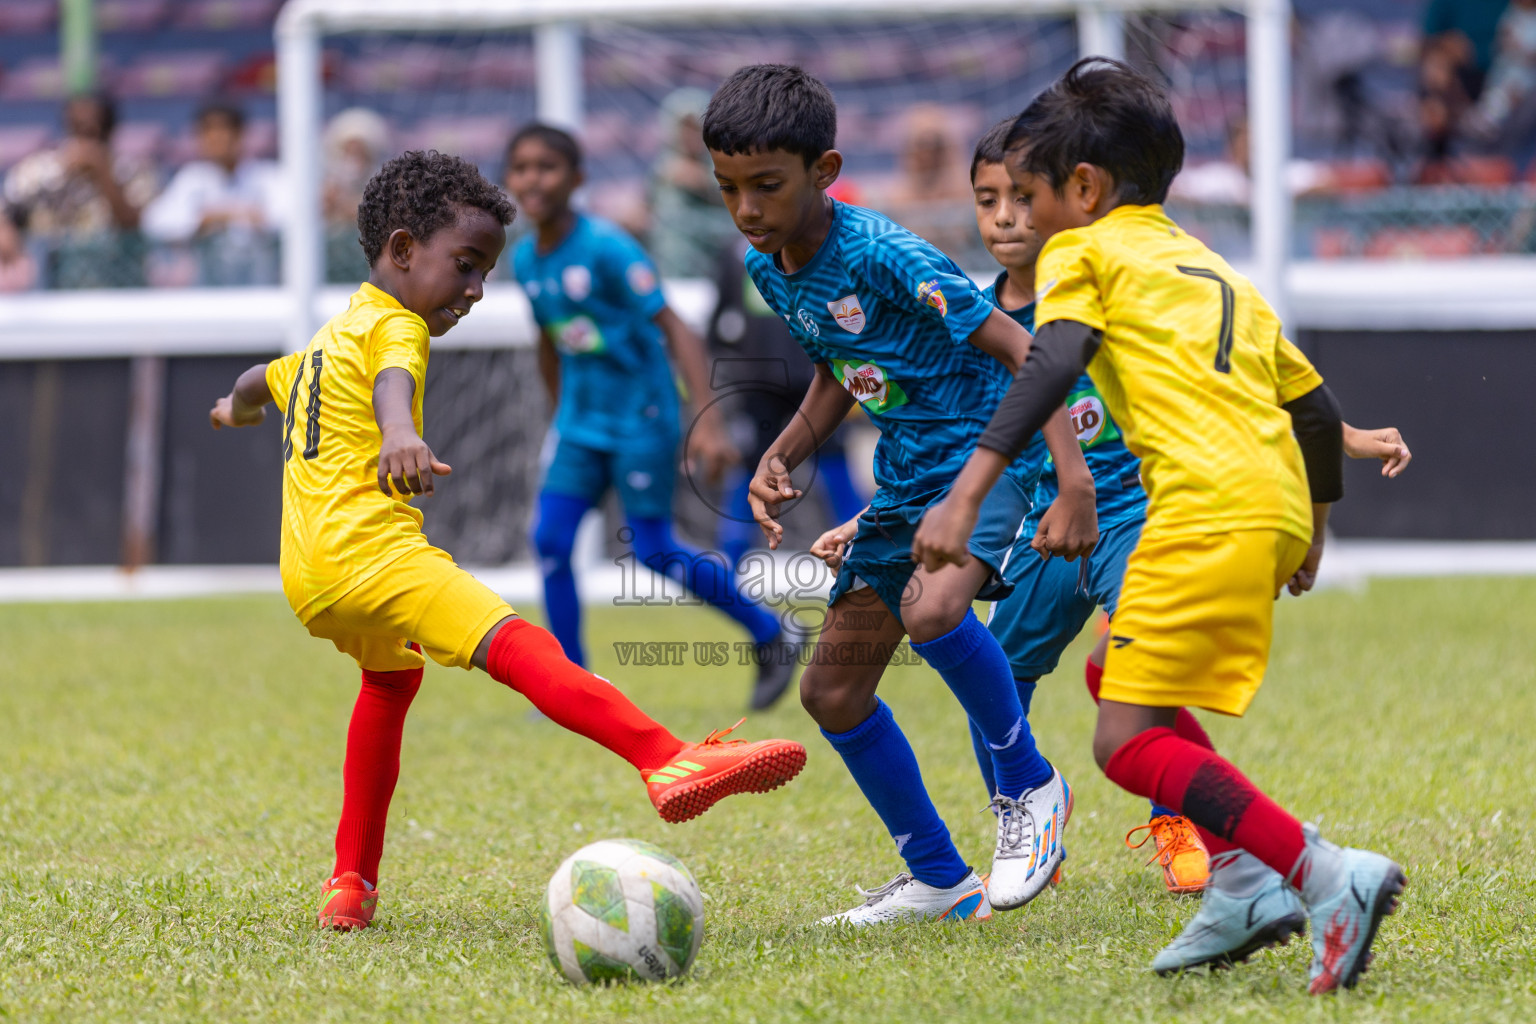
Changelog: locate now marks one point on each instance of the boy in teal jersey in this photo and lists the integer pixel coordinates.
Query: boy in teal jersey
(894, 324)
(602, 321)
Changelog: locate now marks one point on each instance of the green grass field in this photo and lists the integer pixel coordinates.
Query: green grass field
(170, 775)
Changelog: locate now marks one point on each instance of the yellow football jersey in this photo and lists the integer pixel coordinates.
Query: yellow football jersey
(1193, 367)
(338, 527)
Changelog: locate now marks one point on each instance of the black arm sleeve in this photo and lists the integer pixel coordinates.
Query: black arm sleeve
(1057, 358)
(1319, 426)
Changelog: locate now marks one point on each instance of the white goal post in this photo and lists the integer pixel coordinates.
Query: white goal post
(303, 23)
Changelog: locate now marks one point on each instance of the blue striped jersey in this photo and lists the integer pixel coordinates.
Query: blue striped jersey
(596, 295)
(891, 316)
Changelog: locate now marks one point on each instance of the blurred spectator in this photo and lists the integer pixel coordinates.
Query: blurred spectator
(1458, 50)
(81, 203)
(689, 223)
(1229, 181)
(356, 144)
(932, 193)
(227, 206)
(1504, 109)
(18, 271)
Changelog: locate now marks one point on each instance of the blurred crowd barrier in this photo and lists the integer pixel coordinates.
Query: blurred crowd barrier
(1414, 128)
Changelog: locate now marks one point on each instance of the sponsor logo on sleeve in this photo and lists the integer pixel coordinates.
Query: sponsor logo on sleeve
(641, 278)
(929, 293)
(848, 312)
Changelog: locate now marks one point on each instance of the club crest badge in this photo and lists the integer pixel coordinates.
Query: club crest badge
(848, 312)
(929, 294)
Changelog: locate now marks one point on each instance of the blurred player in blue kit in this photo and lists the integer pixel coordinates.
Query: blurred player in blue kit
(602, 323)
(894, 324)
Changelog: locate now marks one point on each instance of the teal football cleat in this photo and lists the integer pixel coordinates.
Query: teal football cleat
(1228, 929)
(1344, 924)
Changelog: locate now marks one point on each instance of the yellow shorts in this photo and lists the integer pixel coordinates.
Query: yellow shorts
(423, 597)
(1195, 619)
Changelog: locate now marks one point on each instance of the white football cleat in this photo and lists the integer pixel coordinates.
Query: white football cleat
(1029, 842)
(904, 898)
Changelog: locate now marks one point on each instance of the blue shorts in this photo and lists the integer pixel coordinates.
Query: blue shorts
(644, 475)
(881, 556)
(1053, 600)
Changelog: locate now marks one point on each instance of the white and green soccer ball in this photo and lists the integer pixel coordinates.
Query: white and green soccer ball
(622, 909)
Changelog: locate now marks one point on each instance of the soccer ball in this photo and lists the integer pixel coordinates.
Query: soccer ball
(622, 909)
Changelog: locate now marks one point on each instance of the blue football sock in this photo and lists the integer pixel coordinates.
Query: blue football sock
(554, 537)
(976, 669)
(1158, 811)
(705, 575)
(881, 761)
(979, 746)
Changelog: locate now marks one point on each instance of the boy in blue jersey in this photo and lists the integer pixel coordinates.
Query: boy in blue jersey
(602, 320)
(894, 324)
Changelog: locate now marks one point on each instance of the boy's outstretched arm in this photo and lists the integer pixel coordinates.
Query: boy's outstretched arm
(245, 405)
(1058, 356)
(1386, 444)
(824, 406)
(404, 457)
(708, 442)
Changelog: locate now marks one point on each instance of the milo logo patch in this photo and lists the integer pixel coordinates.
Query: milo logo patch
(577, 336)
(868, 383)
(1090, 419)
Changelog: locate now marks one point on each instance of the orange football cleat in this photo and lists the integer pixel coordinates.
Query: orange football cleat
(1177, 847)
(702, 773)
(346, 902)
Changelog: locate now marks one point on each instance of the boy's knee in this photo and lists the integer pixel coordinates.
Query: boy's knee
(553, 539)
(825, 700)
(929, 620)
(1104, 747)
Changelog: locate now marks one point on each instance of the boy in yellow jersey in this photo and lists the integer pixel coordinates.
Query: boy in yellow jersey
(357, 568)
(1241, 449)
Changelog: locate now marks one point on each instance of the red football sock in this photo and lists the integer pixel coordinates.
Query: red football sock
(1187, 727)
(1205, 788)
(1093, 675)
(372, 768)
(531, 661)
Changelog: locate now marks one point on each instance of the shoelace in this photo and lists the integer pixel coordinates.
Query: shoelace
(1013, 822)
(718, 737)
(1183, 836)
(873, 896)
